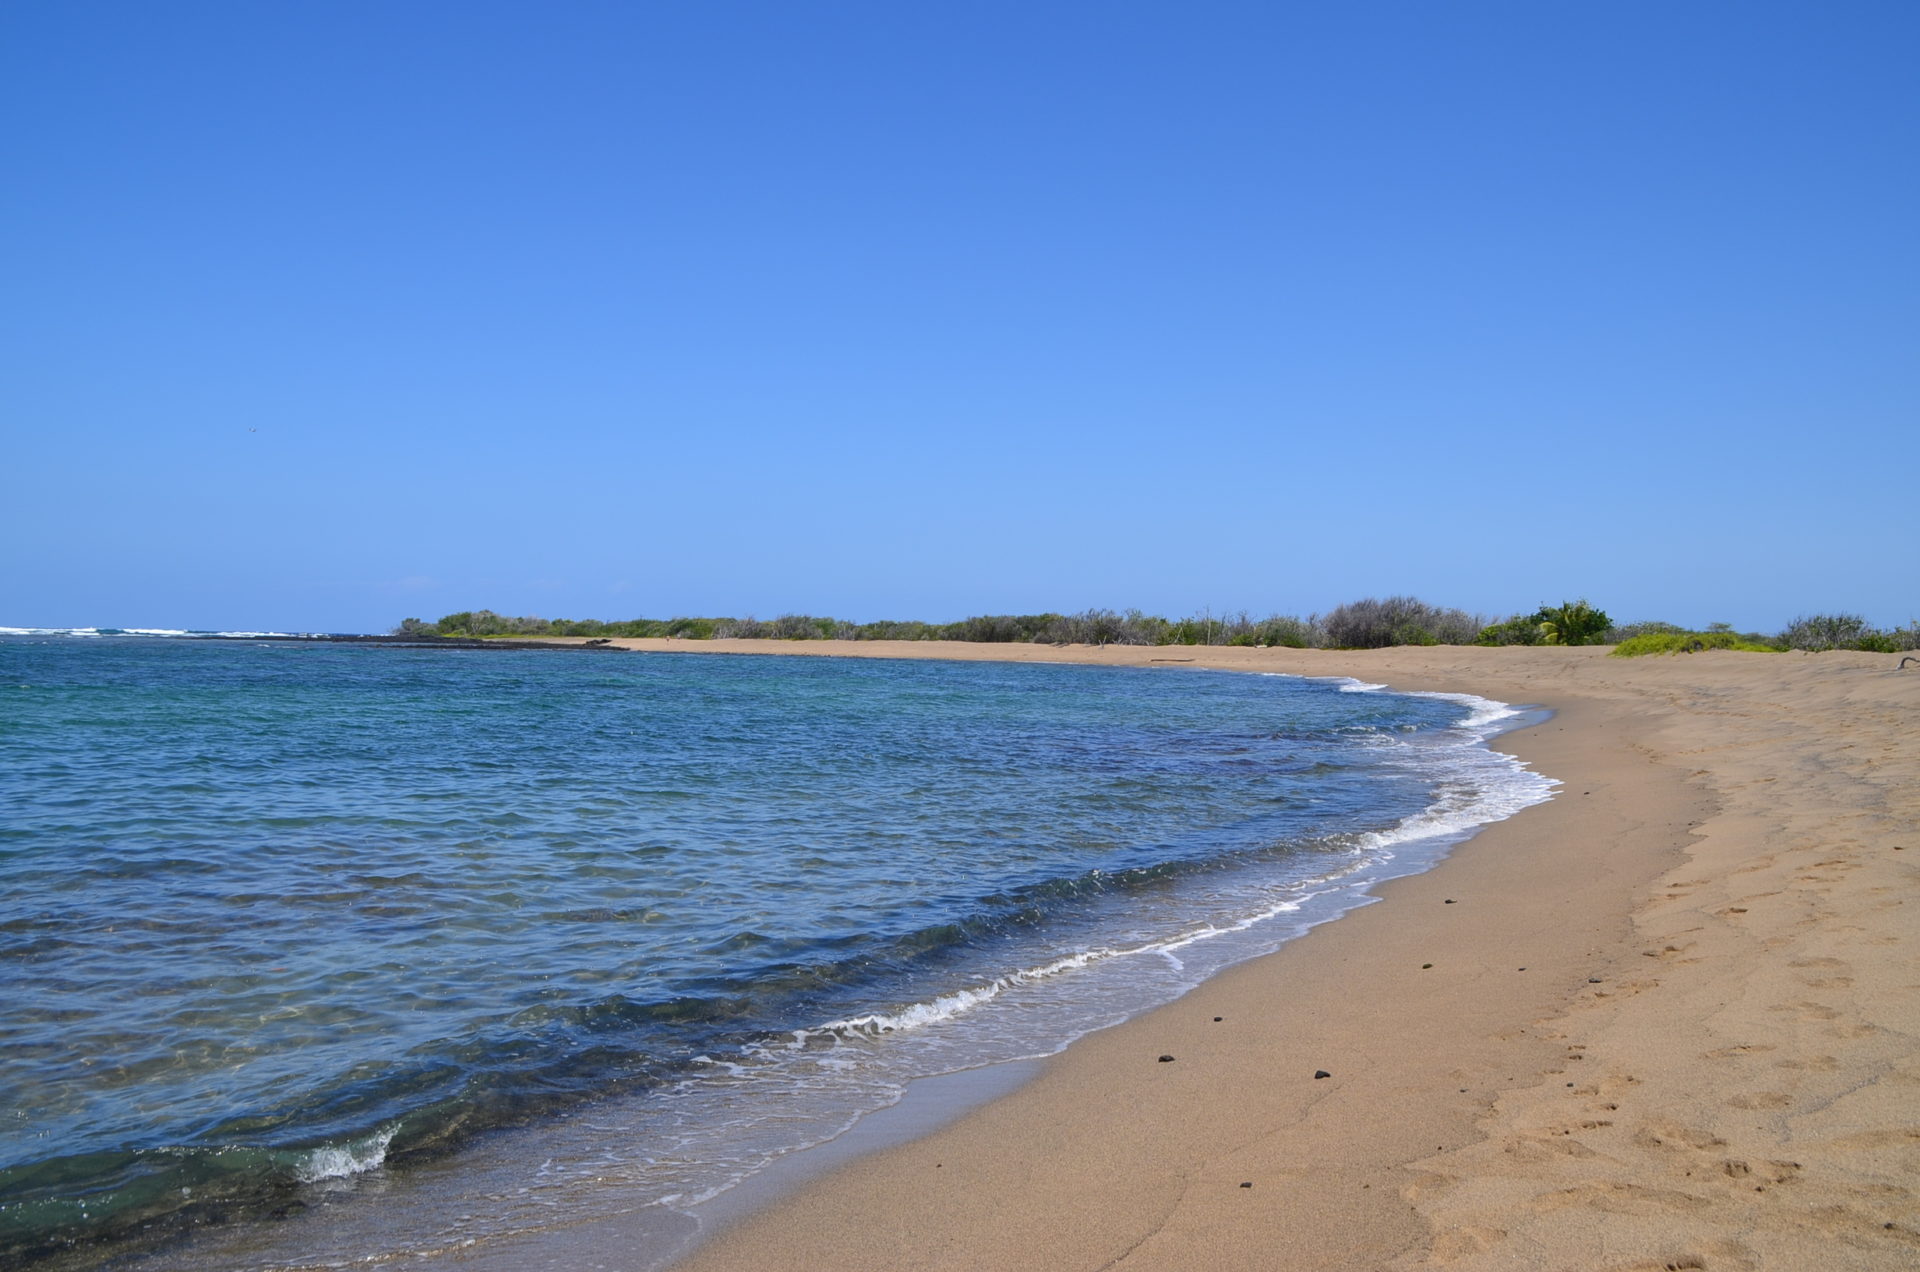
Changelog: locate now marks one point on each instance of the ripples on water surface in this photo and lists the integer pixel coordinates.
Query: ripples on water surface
(276, 913)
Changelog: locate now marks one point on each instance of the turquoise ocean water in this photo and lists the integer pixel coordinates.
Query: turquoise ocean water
(433, 948)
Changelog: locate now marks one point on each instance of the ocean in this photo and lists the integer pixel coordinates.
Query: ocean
(316, 953)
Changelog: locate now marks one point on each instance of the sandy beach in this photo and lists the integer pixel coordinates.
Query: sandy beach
(1666, 1020)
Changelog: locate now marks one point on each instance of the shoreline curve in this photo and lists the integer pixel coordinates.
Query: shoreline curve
(1669, 1017)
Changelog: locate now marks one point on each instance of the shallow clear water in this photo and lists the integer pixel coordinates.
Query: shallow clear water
(275, 914)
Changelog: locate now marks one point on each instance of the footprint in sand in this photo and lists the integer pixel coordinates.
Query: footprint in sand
(1627, 1199)
(1813, 1064)
(1666, 951)
(1534, 1149)
(1463, 1243)
(1713, 1256)
(1760, 1100)
(1673, 1137)
(1743, 1049)
(1807, 1011)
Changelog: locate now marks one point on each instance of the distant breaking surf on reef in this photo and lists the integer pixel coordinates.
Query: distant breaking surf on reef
(279, 917)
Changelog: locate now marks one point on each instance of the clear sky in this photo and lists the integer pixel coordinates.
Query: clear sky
(320, 315)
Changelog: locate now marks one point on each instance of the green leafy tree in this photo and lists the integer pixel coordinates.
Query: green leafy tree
(1572, 623)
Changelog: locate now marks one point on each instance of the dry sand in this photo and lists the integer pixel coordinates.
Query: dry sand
(1669, 1022)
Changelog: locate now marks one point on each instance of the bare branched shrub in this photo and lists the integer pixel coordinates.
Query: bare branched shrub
(793, 627)
(1825, 631)
(748, 628)
(1398, 620)
(1288, 631)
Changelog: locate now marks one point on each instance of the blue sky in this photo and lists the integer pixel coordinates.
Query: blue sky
(323, 315)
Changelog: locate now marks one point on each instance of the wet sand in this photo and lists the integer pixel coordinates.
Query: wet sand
(1666, 1020)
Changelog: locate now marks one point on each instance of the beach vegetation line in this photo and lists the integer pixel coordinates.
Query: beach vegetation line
(1814, 633)
(1371, 623)
(1366, 624)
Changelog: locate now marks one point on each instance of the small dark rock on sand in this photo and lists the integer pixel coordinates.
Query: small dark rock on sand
(1321, 1073)
(1165, 1059)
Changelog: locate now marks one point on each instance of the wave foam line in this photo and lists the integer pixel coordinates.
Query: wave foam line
(948, 1006)
(338, 1161)
(175, 632)
(1459, 809)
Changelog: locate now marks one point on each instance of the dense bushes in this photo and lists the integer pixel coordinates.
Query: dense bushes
(1521, 629)
(1568, 623)
(1398, 620)
(488, 623)
(1367, 624)
(1364, 624)
(1811, 634)
(1088, 627)
(1847, 631)
(1897, 640)
(1573, 623)
(1817, 632)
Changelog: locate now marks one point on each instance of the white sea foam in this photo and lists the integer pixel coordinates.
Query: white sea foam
(1485, 712)
(166, 632)
(947, 1006)
(49, 631)
(338, 1162)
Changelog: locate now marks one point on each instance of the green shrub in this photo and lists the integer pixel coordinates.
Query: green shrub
(488, 623)
(1572, 623)
(1568, 623)
(892, 629)
(997, 628)
(1627, 631)
(1686, 643)
(1521, 629)
(1279, 631)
